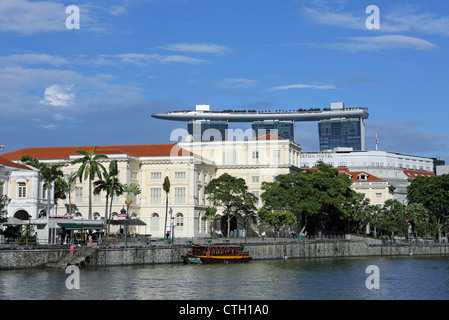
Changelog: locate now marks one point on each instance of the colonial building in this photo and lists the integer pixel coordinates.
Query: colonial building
(189, 166)
(25, 189)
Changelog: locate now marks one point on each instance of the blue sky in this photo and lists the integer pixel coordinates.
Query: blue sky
(99, 84)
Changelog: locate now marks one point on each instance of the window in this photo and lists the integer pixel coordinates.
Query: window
(254, 179)
(96, 198)
(44, 191)
(179, 221)
(180, 195)
(378, 195)
(79, 194)
(255, 157)
(180, 175)
(1, 188)
(22, 192)
(155, 195)
(276, 156)
(155, 222)
(133, 175)
(156, 175)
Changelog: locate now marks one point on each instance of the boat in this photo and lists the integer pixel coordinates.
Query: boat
(216, 254)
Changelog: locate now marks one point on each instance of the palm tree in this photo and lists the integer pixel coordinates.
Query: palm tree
(211, 215)
(49, 173)
(166, 187)
(130, 189)
(69, 186)
(111, 185)
(90, 166)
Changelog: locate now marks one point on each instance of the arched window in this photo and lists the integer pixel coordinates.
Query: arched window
(179, 221)
(155, 222)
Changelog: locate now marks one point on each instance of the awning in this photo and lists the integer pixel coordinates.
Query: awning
(81, 226)
(15, 222)
(133, 221)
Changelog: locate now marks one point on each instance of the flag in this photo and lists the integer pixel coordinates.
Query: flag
(376, 138)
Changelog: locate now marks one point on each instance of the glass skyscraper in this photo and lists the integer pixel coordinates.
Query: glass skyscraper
(205, 130)
(283, 129)
(342, 132)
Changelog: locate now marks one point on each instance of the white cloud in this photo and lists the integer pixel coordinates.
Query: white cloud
(301, 86)
(400, 18)
(33, 58)
(238, 83)
(58, 96)
(197, 47)
(26, 17)
(143, 59)
(381, 43)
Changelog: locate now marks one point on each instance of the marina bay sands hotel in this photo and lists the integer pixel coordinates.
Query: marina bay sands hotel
(337, 127)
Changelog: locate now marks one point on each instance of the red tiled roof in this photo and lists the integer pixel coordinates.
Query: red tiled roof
(355, 176)
(7, 163)
(414, 174)
(146, 150)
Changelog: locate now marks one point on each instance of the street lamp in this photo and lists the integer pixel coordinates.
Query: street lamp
(123, 212)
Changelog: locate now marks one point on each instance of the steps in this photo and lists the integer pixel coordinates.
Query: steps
(80, 258)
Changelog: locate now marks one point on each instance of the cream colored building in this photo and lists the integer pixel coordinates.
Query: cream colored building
(375, 189)
(189, 166)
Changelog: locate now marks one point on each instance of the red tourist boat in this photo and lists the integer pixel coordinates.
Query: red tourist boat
(216, 254)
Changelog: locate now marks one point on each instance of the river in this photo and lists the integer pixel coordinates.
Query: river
(398, 278)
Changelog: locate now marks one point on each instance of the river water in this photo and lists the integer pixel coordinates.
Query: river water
(399, 278)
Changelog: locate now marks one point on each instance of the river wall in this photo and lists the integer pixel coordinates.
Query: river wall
(11, 259)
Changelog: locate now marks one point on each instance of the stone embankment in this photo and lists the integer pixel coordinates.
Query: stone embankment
(11, 259)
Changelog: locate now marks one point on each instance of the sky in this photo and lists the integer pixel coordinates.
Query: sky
(98, 82)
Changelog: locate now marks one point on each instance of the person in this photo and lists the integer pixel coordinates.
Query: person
(90, 240)
(263, 235)
(72, 249)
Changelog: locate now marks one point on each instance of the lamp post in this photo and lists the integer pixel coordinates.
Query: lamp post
(123, 212)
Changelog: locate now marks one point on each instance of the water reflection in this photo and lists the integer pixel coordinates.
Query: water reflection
(320, 278)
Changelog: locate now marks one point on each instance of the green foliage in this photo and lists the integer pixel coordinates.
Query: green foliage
(224, 192)
(277, 219)
(90, 166)
(314, 197)
(4, 201)
(433, 194)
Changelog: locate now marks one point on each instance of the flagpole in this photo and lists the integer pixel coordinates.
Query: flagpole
(376, 141)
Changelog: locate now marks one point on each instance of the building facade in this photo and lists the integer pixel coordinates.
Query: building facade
(190, 166)
(396, 168)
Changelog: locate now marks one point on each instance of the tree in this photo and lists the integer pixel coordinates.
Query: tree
(246, 209)
(112, 186)
(419, 219)
(433, 194)
(90, 166)
(166, 187)
(393, 218)
(360, 212)
(224, 192)
(68, 187)
(49, 174)
(4, 202)
(316, 198)
(210, 216)
(277, 219)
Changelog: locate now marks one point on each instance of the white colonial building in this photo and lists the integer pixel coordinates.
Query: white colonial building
(396, 168)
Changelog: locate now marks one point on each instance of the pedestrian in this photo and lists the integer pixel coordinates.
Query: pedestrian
(263, 235)
(72, 249)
